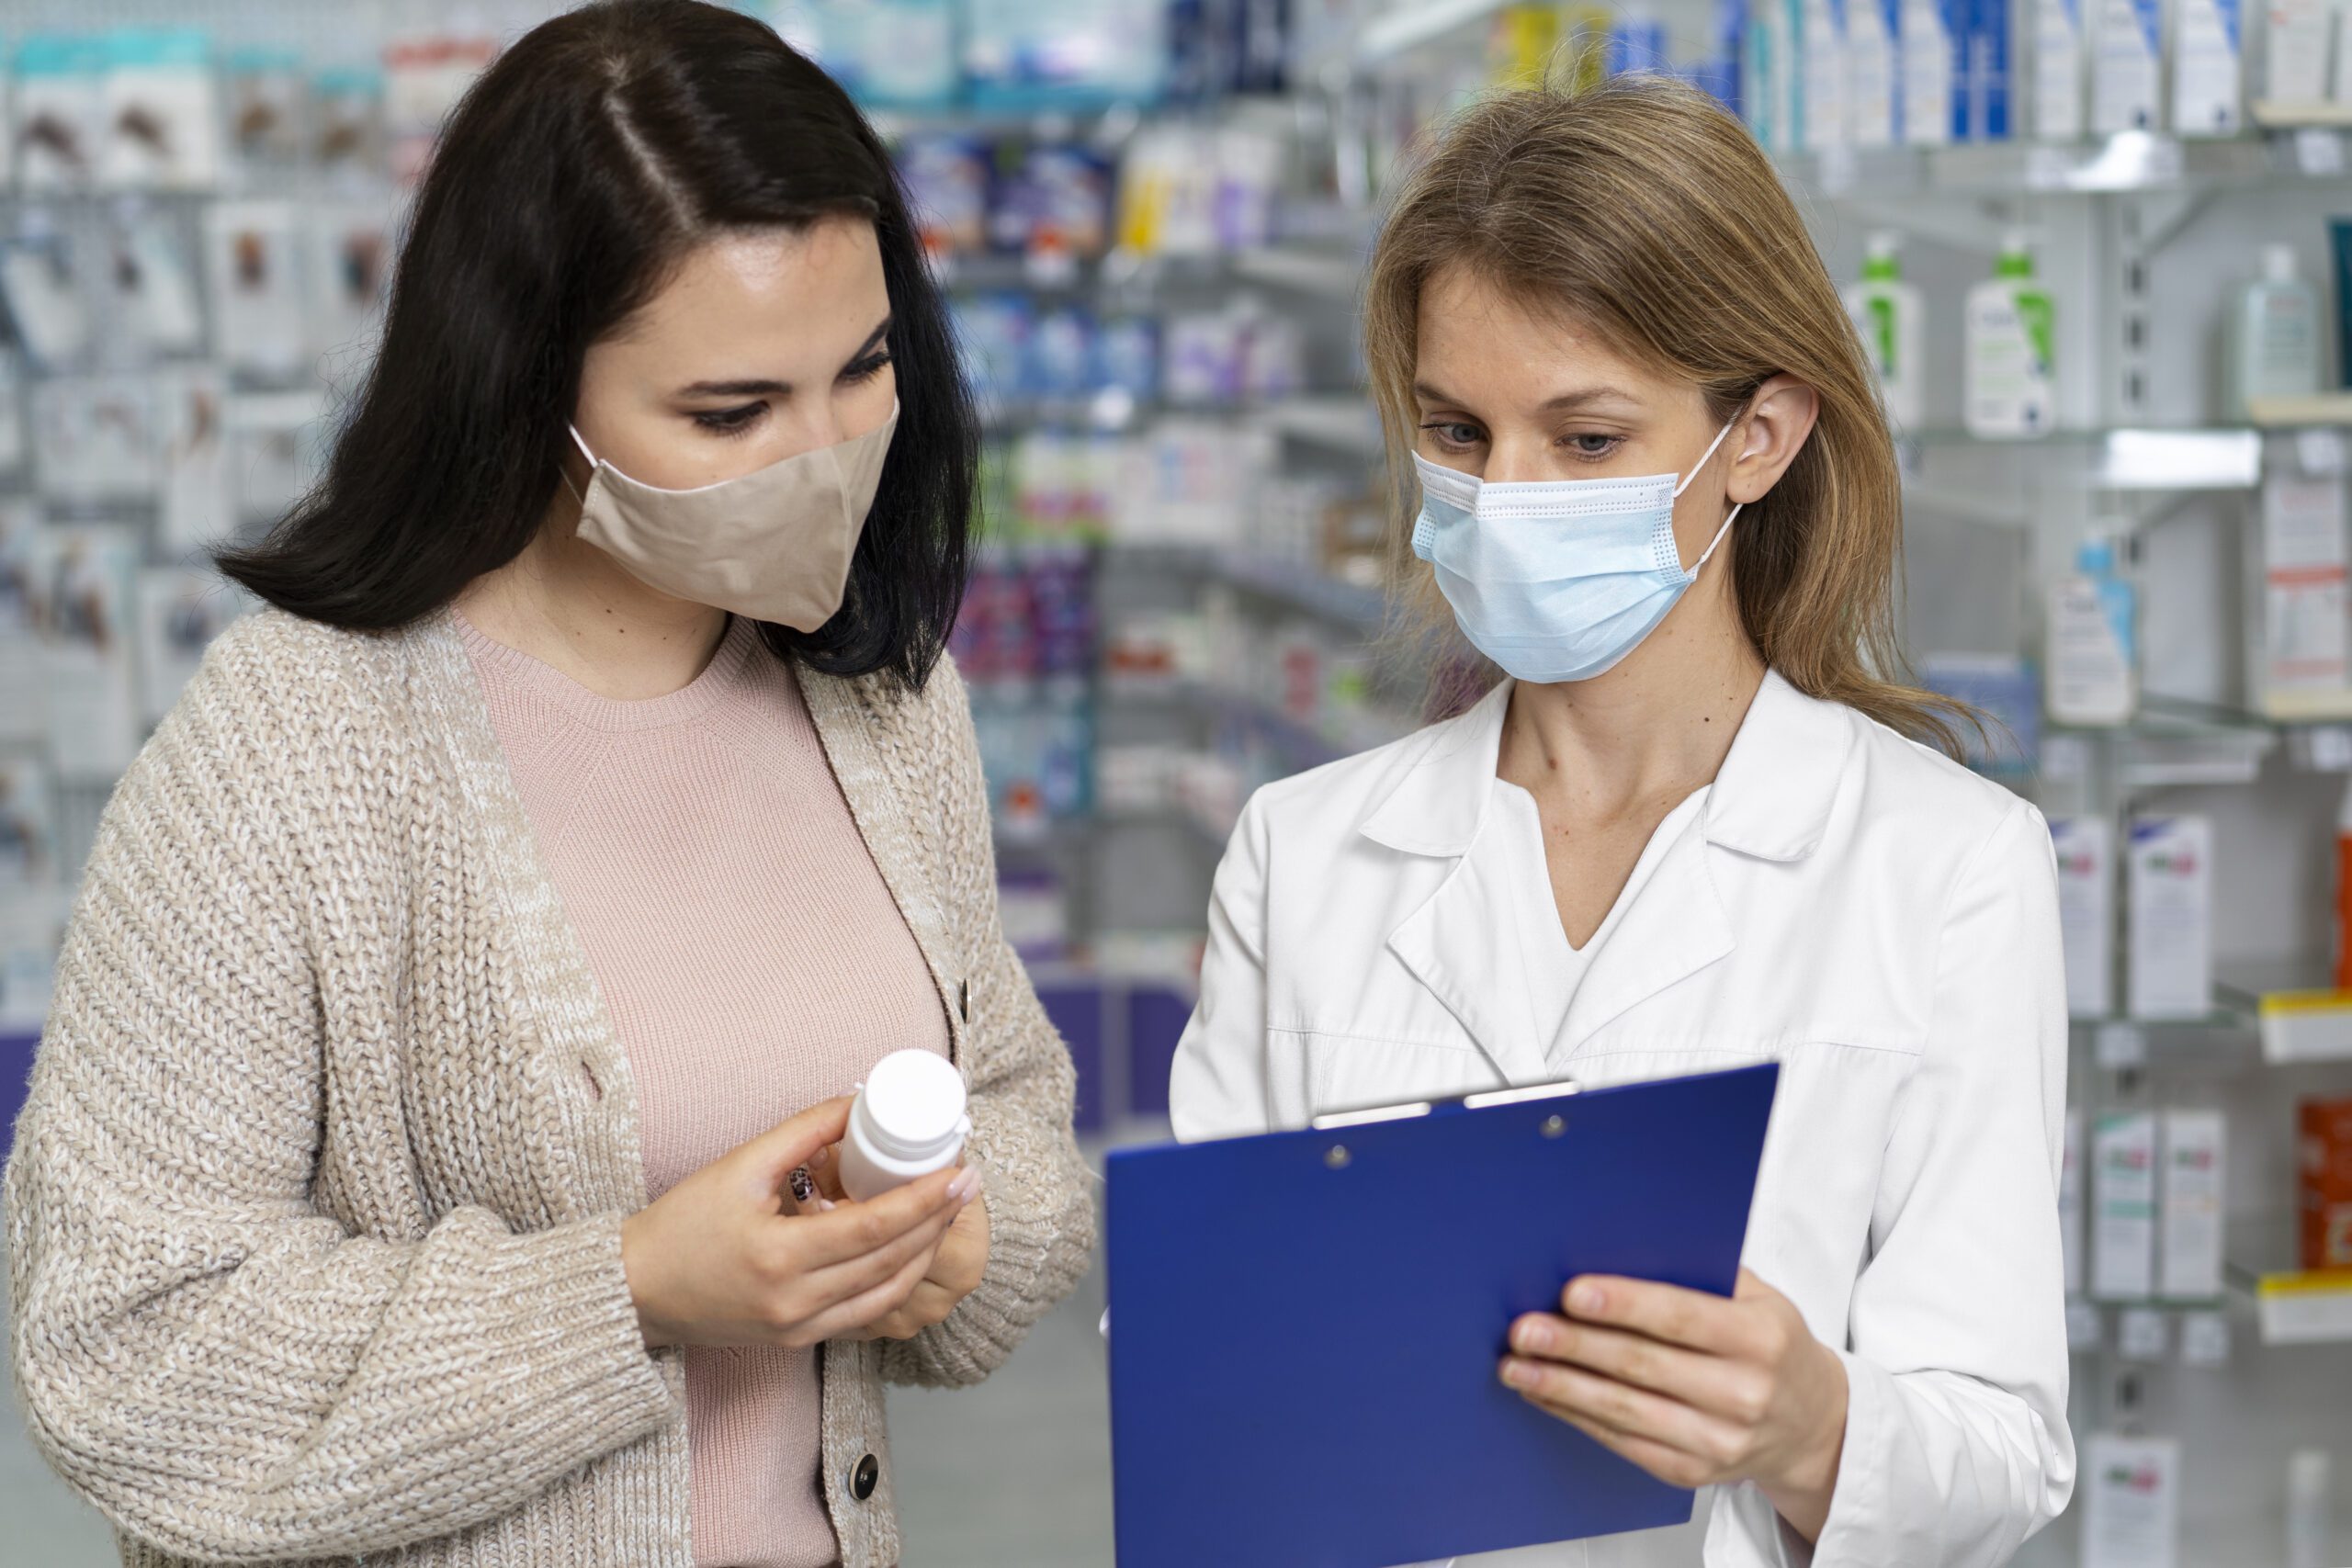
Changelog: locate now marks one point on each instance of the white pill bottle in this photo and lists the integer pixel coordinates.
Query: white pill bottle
(907, 1122)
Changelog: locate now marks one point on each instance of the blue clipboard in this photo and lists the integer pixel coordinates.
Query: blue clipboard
(1305, 1326)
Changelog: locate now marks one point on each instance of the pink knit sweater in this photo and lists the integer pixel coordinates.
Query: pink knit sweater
(754, 963)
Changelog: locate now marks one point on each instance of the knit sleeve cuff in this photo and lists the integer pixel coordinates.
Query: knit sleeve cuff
(1037, 1253)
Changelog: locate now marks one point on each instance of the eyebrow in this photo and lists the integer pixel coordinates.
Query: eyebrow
(766, 388)
(1561, 404)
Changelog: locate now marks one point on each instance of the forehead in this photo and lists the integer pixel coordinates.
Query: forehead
(754, 280)
(1474, 331)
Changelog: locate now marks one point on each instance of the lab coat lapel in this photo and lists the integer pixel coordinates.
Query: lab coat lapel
(1674, 928)
(1457, 942)
(1458, 945)
(1771, 801)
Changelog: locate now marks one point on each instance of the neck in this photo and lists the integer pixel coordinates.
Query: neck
(1654, 728)
(571, 605)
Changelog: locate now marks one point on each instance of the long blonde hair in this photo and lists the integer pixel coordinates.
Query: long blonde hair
(1648, 214)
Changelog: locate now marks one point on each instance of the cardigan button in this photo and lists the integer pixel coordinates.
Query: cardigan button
(865, 1478)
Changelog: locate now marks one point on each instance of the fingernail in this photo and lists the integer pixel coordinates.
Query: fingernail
(824, 1156)
(1535, 1338)
(966, 1183)
(1516, 1375)
(824, 1205)
(1584, 1297)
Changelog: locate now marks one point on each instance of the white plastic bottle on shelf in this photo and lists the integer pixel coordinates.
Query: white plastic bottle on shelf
(908, 1120)
(1887, 313)
(2009, 373)
(2088, 641)
(2274, 335)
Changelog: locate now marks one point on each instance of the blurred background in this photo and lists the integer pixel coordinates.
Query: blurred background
(2099, 251)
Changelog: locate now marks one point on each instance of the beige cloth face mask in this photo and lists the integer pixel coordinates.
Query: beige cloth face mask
(773, 545)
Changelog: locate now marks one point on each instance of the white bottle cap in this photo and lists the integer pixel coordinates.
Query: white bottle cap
(914, 1104)
(1884, 242)
(2278, 263)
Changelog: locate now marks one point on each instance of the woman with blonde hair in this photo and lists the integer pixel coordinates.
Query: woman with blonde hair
(1698, 821)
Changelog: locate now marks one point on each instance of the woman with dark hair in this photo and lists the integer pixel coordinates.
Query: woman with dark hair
(467, 976)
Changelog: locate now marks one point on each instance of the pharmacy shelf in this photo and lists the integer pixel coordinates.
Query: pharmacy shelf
(1293, 585)
(1340, 423)
(2319, 409)
(2174, 743)
(2167, 459)
(1299, 745)
(2304, 1306)
(1324, 270)
(2128, 163)
(2278, 114)
(1409, 25)
(2310, 1025)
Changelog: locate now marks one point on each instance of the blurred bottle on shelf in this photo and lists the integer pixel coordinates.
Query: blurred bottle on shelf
(1889, 314)
(2010, 368)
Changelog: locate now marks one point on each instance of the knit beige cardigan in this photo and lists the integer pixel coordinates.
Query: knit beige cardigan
(313, 1215)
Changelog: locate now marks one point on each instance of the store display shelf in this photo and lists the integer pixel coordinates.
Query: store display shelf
(1293, 585)
(1324, 270)
(2126, 163)
(1339, 422)
(2278, 114)
(1298, 744)
(2298, 1017)
(1195, 824)
(2319, 409)
(2174, 742)
(1410, 25)
(2299, 1306)
(2119, 457)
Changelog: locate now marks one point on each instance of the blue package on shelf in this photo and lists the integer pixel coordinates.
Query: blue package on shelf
(992, 337)
(1023, 55)
(1053, 195)
(1635, 43)
(1061, 353)
(2007, 692)
(1127, 356)
(890, 54)
(1987, 71)
(946, 176)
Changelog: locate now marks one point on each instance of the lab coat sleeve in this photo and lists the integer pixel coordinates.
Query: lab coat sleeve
(1219, 1084)
(1957, 1448)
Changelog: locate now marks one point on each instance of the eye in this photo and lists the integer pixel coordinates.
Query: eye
(1452, 434)
(1593, 448)
(867, 369)
(730, 422)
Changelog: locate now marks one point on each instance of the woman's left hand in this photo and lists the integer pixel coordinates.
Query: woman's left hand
(1694, 1389)
(955, 1269)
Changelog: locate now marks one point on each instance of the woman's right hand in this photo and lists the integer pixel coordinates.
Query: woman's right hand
(726, 1257)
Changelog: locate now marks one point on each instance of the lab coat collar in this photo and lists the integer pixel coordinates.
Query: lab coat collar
(1771, 797)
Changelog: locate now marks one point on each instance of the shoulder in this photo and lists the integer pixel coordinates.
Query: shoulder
(1914, 802)
(282, 707)
(1343, 790)
(282, 663)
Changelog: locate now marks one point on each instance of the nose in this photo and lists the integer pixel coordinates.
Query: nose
(1515, 459)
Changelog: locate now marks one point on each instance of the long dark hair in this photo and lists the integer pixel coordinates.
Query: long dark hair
(588, 159)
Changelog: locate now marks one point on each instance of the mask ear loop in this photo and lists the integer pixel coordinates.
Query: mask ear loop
(573, 431)
(1695, 468)
(1694, 473)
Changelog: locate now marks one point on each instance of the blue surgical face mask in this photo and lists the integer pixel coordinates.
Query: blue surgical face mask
(1557, 580)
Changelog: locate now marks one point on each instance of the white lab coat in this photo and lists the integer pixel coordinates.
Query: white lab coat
(1877, 919)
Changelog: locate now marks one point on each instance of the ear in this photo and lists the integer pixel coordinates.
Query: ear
(1780, 417)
